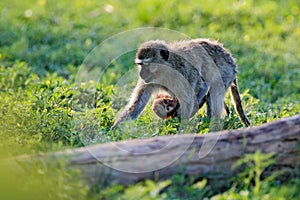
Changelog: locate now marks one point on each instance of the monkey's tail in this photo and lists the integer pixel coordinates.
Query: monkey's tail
(236, 99)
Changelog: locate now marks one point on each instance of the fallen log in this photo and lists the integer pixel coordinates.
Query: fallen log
(128, 162)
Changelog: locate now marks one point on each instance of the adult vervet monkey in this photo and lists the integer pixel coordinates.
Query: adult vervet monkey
(193, 72)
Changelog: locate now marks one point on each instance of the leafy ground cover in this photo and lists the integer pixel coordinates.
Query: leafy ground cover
(43, 43)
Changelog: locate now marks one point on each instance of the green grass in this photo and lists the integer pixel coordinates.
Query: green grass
(42, 109)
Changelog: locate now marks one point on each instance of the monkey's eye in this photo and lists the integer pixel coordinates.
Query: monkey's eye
(166, 101)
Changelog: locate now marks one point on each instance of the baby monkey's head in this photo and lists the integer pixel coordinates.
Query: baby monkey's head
(154, 51)
(165, 106)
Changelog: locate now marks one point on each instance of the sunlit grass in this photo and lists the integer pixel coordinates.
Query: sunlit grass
(43, 42)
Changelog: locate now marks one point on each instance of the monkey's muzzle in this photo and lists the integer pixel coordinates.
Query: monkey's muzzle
(141, 61)
(138, 61)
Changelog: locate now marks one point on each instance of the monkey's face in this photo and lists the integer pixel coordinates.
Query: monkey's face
(164, 106)
(149, 57)
(152, 52)
(146, 56)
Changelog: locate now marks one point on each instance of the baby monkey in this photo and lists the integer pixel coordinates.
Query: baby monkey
(165, 106)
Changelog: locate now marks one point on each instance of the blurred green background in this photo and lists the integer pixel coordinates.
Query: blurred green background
(54, 36)
(43, 43)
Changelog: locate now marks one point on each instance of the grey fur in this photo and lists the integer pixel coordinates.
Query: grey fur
(208, 67)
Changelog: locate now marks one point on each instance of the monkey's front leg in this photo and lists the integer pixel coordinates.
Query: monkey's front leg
(137, 103)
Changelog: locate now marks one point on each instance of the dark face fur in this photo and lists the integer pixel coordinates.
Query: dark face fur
(152, 52)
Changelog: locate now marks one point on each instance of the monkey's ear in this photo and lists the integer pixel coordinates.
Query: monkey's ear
(164, 54)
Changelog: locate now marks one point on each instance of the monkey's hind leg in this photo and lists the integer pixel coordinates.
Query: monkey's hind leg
(236, 99)
(208, 109)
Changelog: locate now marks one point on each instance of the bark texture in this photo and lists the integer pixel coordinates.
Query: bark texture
(203, 156)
